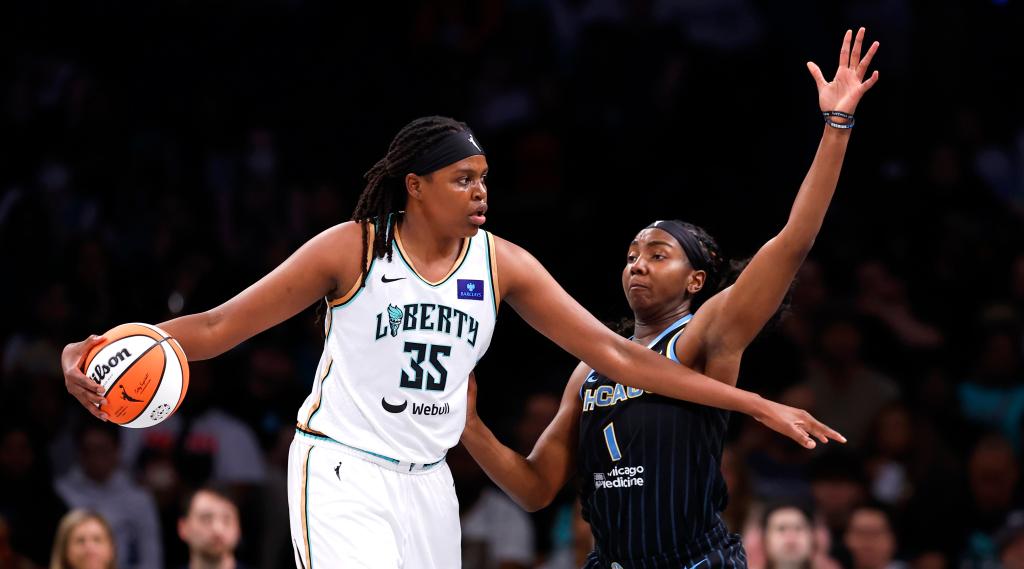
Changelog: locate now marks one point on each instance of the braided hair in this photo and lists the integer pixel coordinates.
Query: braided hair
(384, 195)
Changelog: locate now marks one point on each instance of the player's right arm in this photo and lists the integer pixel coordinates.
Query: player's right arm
(323, 266)
(531, 481)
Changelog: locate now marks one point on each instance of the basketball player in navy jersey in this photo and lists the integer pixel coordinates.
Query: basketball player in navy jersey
(652, 488)
(412, 288)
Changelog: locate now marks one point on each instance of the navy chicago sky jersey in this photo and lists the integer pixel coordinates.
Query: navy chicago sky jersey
(651, 483)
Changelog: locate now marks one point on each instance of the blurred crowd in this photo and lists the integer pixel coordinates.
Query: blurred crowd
(154, 167)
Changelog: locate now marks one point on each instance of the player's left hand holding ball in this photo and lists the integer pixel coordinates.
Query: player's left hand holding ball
(135, 375)
(86, 391)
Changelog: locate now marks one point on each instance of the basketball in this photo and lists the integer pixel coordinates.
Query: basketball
(143, 372)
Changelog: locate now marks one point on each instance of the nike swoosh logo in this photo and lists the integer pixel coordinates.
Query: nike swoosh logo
(385, 279)
(393, 408)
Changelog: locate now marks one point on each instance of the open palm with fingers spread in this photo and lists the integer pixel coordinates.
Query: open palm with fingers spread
(844, 91)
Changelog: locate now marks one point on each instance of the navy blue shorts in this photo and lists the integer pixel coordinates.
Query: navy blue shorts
(718, 549)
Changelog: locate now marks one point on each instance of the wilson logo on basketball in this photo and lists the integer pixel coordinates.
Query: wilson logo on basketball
(100, 371)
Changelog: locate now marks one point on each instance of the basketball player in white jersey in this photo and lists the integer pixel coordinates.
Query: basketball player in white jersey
(413, 286)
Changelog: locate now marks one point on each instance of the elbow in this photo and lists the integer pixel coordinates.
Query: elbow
(536, 503)
(539, 495)
(798, 244)
(531, 506)
(198, 337)
(803, 249)
(211, 320)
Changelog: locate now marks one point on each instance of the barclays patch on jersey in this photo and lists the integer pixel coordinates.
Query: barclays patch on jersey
(471, 289)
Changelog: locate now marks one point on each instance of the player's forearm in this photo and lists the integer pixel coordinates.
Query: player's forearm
(816, 191)
(199, 335)
(650, 371)
(515, 474)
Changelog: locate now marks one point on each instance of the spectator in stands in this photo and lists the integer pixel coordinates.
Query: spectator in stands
(839, 486)
(993, 474)
(993, 395)
(1010, 541)
(847, 391)
(98, 483)
(496, 533)
(9, 558)
(211, 529)
(790, 540)
(27, 499)
(871, 539)
(84, 541)
(883, 296)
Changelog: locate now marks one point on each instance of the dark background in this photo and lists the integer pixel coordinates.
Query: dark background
(180, 150)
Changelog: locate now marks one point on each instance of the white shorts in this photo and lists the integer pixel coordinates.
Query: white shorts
(349, 509)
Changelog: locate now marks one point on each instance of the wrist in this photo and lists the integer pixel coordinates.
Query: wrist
(755, 406)
(838, 119)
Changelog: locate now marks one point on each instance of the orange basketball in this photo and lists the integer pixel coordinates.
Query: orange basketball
(143, 372)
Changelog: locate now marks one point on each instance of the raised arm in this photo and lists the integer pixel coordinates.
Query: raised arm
(535, 295)
(743, 309)
(532, 481)
(314, 271)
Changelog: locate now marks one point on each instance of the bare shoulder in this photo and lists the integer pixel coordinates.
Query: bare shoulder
(693, 347)
(579, 375)
(575, 383)
(347, 232)
(507, 249)
(340, 248)
(342, 243)
(704, 343)
(712, 307)
(513, 263)
(698, 349)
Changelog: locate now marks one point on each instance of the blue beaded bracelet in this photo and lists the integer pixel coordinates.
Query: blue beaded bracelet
(827, 114)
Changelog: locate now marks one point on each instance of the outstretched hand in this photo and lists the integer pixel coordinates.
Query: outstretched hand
(848, 86)
(797, 424)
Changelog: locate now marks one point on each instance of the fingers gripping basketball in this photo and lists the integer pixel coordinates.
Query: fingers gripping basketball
(142, 371)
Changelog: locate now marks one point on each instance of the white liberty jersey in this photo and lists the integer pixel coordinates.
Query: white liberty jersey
(398, 351)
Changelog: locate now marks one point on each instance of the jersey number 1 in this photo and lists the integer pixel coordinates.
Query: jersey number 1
(420, 353)
(612, 442)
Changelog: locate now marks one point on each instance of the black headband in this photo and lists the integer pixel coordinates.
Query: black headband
(453, 147)
(695, 251)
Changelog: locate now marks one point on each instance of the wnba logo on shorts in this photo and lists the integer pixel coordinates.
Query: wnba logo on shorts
(470, 289)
